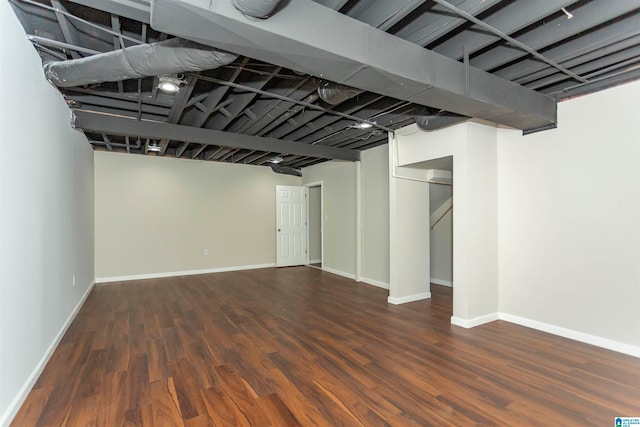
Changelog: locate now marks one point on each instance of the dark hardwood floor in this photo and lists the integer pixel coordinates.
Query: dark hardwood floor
(298, 346)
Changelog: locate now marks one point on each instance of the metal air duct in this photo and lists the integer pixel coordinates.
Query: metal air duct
(308, 37)
(334, 93)
(166, 57)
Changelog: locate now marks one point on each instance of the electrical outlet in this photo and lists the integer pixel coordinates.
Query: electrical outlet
(205, 252)
(74, 280)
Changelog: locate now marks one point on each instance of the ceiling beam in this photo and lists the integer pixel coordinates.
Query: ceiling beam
(112, 125)
(589, 15)
(179, 102)
(309, 38)
(212, 100)
(510, 40)
(509, 19)
(435, 22)
(69, 32)
(263, 108)
(130, 105)
(588, 44)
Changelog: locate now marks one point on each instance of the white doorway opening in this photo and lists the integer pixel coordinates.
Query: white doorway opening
(315, 222)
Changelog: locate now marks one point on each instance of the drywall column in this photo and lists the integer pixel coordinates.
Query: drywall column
(481, 228)
(375, 216)
(408, 236)
(473, 147)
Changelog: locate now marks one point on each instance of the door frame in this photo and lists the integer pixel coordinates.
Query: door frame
(308, 186)
(303, 260)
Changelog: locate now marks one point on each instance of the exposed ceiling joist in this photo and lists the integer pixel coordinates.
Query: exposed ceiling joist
(112, 125)
(307, 37)
(556, 29)
(436, 22)
(134, 9)
(384, 14)
(511, 18)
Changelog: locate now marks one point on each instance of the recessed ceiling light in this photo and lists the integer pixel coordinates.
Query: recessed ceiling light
(169, 84)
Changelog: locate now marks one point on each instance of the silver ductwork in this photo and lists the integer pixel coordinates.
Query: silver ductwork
(260, 9)
(335, 93)
(157, 59)
(286, 170)
(429, 120)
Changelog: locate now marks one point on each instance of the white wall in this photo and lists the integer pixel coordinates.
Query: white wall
(339, 198)
(315, 224)
(157, 215)
(441, 236)
(46, 216)
(569, 209)
(375, 216)
(441, 251)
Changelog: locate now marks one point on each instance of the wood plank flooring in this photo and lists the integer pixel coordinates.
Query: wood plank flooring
(301, 347)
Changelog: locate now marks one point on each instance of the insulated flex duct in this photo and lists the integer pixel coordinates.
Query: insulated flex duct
(287, 170)
(428, 121)
(157, 59)
(334, 93)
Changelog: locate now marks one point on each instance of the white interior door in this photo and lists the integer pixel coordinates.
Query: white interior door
(291, 225)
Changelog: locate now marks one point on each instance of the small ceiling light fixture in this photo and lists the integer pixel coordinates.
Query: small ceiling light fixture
(363, 125)
(169, 84)
(566, 12)
(276, 159)
(154, 146)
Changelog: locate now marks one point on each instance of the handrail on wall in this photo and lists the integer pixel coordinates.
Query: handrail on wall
(442, 216)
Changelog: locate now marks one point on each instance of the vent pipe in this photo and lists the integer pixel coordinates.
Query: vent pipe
(157, 59)
(335, 93)
(287, 170)
(428, 121)
(260, 9)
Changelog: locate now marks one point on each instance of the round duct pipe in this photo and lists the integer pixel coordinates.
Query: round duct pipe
(156, 59)
(287, 170)
(428, 120)
(261, 9)
(335, 93)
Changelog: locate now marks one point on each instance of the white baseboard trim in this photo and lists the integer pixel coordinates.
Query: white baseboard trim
(181, 273)
(617, 346)
(442, 282)
(339, 273)
(374, 282)
(408, 298)
(477, 321)
(612, 345)
(315, 261)
(17, 402)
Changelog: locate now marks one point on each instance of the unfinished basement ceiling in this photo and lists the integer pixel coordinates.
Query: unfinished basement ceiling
(432, 62)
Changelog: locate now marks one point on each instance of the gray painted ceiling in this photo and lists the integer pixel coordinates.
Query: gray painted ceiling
(251, 110)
